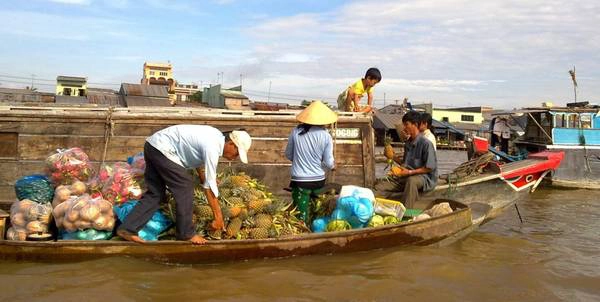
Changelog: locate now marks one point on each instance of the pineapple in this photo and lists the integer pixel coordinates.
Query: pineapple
(234, 211)
(388, 150)
(205, 212)
(236, 201)
(263, 221)
(225, 193)
(259, 233)
(239, 181)
(233, 228)
(259, 205)
(243, 214)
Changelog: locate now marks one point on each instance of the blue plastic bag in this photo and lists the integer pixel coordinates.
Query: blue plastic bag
(319, 225)
(36, 188)
(154, 227)
(88, 234)
(363, 210)
(340, 214)
(355, 222)
(346, 203)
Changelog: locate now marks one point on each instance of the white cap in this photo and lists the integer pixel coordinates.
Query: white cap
(242, 141)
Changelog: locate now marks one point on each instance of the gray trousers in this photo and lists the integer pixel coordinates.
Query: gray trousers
(412, 185)
(160, 173)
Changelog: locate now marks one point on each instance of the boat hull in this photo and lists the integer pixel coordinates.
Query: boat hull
(418, 233)
(579, 169)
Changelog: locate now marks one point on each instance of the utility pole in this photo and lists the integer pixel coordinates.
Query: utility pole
(269, 94)
(241, 75)
(384, 103)
(572, 73)
(32, 76)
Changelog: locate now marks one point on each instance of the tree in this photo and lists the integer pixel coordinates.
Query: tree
(196, 97)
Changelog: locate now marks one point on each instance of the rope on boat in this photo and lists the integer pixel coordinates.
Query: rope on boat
(334, 134)
(465, 170)
(109, 126)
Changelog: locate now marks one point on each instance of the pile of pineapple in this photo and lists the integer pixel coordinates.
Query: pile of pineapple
(250, 211)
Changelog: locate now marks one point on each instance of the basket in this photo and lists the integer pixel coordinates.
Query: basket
(387, 207)
(3, 222)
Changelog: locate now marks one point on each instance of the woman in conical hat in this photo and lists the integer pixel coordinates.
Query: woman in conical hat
(310, 148)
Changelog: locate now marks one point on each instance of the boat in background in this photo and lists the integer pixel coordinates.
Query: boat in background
(574, 130)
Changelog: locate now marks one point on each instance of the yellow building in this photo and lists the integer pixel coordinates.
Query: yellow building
(71, 86)
(470, 115)
(159, 74)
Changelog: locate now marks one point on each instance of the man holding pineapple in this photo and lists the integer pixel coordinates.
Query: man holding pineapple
(169, 153)
(418, 170)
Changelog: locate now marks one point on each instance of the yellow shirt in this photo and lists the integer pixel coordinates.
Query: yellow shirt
(359, 89)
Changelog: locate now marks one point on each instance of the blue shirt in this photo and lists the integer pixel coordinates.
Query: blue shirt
(310, 153)
(420, 153)
(192, 146)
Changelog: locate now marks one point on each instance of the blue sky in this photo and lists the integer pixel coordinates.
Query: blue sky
(501, 53)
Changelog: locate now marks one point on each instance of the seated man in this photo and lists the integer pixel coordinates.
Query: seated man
(419, 167)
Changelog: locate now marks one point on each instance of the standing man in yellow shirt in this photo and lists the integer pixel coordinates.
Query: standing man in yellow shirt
(350, 98)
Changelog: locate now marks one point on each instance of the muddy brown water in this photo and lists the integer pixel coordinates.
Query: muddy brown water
(552, 256)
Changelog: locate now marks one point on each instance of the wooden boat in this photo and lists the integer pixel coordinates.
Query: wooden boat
(574, 130)
(450, 226)
(482, 199)
(499, 188)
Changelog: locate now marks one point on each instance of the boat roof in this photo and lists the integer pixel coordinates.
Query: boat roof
(545, 109)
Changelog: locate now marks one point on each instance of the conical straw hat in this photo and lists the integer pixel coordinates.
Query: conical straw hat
(317, 113)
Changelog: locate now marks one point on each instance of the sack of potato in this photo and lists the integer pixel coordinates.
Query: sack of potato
(64, 192)
(84, 212)
(28, 217)
(68, 165)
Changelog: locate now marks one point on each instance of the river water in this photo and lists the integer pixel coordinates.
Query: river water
(552, 256)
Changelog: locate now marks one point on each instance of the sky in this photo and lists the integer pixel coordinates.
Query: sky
(500, 53)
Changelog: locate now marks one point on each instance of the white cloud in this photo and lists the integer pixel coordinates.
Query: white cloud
(76, 2)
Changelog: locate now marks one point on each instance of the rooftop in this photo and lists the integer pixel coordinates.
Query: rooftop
(71, 79)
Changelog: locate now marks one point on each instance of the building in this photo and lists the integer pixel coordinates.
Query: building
(160, 74)
(71, 86)
(142, 95)
(184, 91)
(231, 98)
(387, 124)
(10, 95)
(471, 120)
(104, 97)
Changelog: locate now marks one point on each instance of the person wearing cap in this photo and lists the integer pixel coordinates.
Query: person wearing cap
(310, 148)
(169, 153)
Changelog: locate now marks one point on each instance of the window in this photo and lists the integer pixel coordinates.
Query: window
(66, 91)
(586, 121)
(162, 73)
(573, 121)
(559, 120)
(151, 72)
(467, 118)
(445, 119)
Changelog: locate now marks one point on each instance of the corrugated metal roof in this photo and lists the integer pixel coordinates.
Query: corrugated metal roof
(233, 94)
(105, 99)
(144, 90)
(143, 101)
(386, 121)
(71, 79)
(65, 99)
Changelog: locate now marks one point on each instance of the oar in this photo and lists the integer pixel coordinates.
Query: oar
(518, 213)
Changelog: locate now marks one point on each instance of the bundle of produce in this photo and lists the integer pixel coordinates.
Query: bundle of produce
(28, 217)
(138, 167)
(35, 188)
(250, 211)
(64, 192)
(84, 212)
(154, 227)
(116, 183)
(351, 212)
(68, 165)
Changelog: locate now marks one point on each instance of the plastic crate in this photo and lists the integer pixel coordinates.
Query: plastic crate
(388, 207)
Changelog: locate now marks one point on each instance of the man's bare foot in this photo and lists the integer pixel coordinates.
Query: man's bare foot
(197, 239)
(130, 237)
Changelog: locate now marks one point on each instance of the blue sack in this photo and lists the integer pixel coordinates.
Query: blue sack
(363, 210)
(355, 222)
(340, 214)
(88, 234)
(319, 225)
(346, 203)
(35, 188)
(154, 227)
